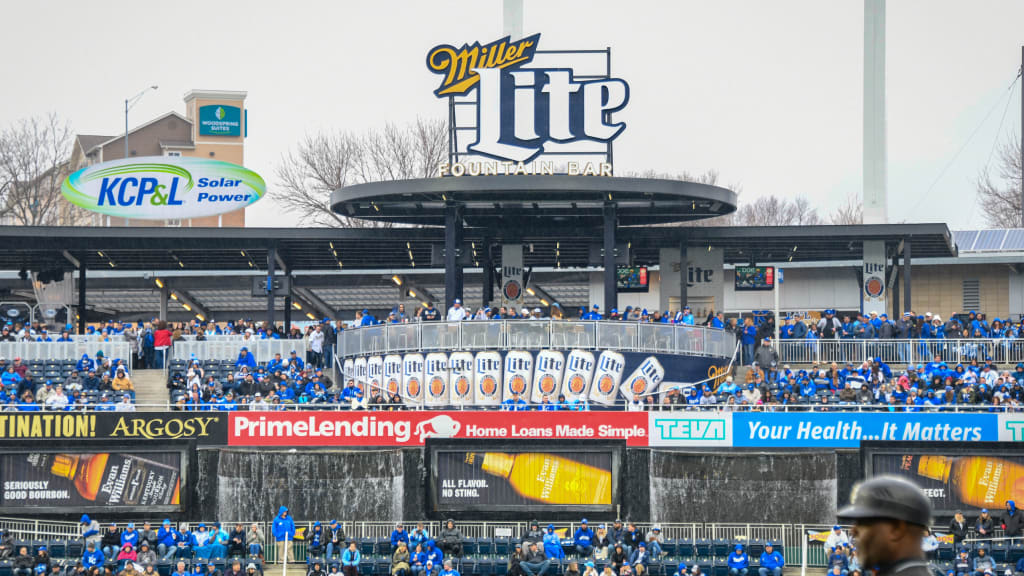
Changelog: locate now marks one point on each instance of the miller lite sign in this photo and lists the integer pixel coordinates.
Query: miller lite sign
(523, 109)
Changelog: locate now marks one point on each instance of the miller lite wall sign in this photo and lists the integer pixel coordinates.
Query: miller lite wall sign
(873, 291)
(525, 109)
(518, 374)
(646, 378)
(579, 370)
(460, 378)
(435, 376)
(547, 376)
(487, 378)
(412, 379)
(359, 373)
(512, 275)
(607, 377)
(374, 375)
(349, 369)
(392, 377)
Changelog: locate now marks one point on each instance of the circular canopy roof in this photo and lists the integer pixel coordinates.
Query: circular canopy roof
(517, 201)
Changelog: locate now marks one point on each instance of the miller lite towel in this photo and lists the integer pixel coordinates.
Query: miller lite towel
(435, 392)
(547, 376)
(605, 388)
(646, 378)
(359, 373)
(487, 378)
(460, 378)
(518, 374)
(392, 379)
(412, 380)
(374, 375)
(579, 371)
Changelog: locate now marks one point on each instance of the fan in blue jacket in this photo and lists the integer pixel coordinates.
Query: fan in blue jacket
(283, 530)
(92, 558)
(771, 561)
(168, 539)
(434, 554)
(351, 556)
(583, 539)
(399, 535)
(553, 544)
(738, 562)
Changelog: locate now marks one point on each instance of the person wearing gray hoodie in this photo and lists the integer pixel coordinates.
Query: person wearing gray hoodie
(90, 530)
(450, 539)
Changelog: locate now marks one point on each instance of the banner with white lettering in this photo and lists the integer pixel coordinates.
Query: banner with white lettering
(847, 429)
(873, 290)
(132, 481)
(512, 287)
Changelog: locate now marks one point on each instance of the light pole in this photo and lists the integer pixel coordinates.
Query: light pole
(129, 103)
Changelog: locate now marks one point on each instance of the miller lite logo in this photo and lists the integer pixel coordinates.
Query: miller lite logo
(522, 109)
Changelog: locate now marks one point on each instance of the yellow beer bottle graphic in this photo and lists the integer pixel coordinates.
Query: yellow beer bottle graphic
(980, 481)
(547, 478)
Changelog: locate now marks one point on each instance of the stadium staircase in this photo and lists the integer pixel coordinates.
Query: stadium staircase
(150, 390)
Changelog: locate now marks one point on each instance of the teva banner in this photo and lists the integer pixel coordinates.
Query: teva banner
(815, 430)
(219, 120)
(523, 110)
(409, 428)
(163, 187)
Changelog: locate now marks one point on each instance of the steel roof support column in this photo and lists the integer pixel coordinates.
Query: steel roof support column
(288, 304)
(453, 214)
(895, 287)
(488, 264)
(611, 299)
(907, 306)
(165, 294)
(81, 294)
(271, 265)
(684, 274)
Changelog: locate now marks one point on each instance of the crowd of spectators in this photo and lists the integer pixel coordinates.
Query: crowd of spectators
(98, 383)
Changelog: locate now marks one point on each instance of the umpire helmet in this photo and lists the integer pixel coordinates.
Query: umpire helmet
(889, 497)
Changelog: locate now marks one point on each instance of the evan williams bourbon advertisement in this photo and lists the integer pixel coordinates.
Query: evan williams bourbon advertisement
(489, 476)
(94, 480)
(957, 479)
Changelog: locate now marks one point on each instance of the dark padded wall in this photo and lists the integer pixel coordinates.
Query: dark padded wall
(743, 487)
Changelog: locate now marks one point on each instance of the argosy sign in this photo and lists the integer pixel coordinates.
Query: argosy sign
(161, 188)
(522, 109)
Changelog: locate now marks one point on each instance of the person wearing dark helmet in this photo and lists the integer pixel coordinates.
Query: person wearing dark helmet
(890, 516)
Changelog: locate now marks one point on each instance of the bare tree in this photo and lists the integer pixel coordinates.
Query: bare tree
(33, 166)
(850, 213)
(775, 211)
(1001, 200)
(322, 163)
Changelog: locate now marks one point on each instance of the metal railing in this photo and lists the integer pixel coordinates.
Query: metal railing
(263, 350)
(536, 334)
(64, 351)
(1002, 351)
(791, 539)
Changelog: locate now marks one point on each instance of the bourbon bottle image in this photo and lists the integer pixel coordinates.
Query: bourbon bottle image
(547, 477)
(118, 479)
(979, 481)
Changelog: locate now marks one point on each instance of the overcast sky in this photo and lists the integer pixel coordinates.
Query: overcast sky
(766, 92)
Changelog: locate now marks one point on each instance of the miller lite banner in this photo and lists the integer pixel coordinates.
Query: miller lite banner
(512, 276)
(524, 110)
(873, 290)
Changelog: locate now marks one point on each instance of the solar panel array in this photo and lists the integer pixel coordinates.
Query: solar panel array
(998, 240)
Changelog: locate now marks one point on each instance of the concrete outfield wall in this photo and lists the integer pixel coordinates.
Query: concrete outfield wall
(754, 487)
(657, 485)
